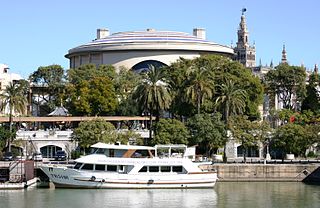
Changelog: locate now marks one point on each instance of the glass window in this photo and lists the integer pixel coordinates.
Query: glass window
(143, 169)
(101, 167)
(111, 168)
(153, 168)
(77, 165)
(87, 167)
(165, 168)
(177, 169)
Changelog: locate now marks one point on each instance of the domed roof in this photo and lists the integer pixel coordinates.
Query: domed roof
(151, 40)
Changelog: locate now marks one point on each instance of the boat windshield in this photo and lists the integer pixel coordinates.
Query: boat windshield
(98, 151)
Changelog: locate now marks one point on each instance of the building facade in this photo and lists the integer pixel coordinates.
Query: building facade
(5, 79)
(136, 49)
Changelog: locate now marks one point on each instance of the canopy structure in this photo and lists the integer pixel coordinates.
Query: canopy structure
(59, 111)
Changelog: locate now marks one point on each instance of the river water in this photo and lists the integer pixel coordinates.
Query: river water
(224, 194)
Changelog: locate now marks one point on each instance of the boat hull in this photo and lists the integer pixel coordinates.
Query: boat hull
(63, 177)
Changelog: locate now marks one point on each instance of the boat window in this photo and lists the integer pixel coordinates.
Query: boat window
(143, 169)
(77, 165)
(111, 152)
(141, 153)
(112, 168)
(87, 167)
(165, 168)
(100, 151)
(101, 167)
(177, 169)
(153, 168)
(121, 168)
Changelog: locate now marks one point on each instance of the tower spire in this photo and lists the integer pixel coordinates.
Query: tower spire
(316, 69)
(284, 55)
(245, 53)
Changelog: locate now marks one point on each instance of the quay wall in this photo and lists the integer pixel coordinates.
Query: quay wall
(262, 172)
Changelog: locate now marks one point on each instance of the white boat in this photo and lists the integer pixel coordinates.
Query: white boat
(128, 166)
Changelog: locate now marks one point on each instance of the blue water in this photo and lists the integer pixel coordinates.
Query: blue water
(225, 194)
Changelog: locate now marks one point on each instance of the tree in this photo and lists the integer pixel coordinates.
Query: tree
(222, 69)
(13, 98)
(48, 83)
(292, 138)
(125, 83)
(199, 82)
(91, 93)
(4, 135)
(312, 99)
(152, 93)
(231, 101)
(129, 136)
(170, 131)
(288, 84)
(246, 132)
(207, 131)
(90, 71)
(91, 132)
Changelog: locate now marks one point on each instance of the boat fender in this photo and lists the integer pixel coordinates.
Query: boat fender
(93, 178)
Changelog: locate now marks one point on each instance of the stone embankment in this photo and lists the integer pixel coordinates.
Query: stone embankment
(262, 172)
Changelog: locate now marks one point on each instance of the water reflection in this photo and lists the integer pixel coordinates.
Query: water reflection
(227, 194)
(267, 194)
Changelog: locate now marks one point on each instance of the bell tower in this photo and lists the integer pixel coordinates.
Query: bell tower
(244, 53)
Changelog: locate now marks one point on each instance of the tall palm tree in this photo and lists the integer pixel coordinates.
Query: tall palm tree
(153, 94)
(199, 85)
(13, 97)
(231, 100)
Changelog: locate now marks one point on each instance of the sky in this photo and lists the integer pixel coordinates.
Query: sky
(38, 33)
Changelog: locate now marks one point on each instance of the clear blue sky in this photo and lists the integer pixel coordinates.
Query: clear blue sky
(39, 33)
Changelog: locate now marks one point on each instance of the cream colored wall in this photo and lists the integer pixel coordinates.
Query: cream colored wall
(129, 59)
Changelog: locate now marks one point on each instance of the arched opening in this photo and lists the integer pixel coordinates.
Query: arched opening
(251, 151)
(145, 65)
(49, 151)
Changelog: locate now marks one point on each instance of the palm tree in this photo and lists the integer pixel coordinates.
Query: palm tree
(231, 100)
(199, 85)
(13, 97)
(153, 94)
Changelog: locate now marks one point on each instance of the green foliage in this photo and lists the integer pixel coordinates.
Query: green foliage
(125, 83)
(207, 131)
(91, 132)
(75, 154)
(286, 82)
(48, 82)
(248, 133)
(230, 99)
(91, 93)
(217, 69)
(127, 136)
(312, 99)
(293, 138)
(170, 131)
(89, 72)
(4, 135)
(199, 84)
(152, 93)
(14, 98)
